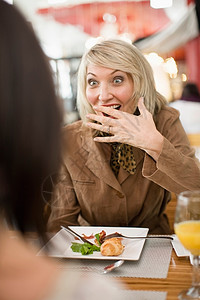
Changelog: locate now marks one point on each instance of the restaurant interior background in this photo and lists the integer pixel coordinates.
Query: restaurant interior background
(168, 37)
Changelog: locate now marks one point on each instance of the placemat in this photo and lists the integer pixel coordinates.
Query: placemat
(143, 295)
(153, 263)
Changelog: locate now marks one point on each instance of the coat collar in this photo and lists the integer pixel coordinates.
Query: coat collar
(98, 160)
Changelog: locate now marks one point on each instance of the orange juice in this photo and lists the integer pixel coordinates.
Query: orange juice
(188, 233)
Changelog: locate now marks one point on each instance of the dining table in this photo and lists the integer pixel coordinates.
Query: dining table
(179, 278)
(158, 274)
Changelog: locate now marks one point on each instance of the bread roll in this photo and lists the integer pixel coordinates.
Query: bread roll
(112, 247)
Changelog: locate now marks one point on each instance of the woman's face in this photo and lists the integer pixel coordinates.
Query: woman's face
(109, 87)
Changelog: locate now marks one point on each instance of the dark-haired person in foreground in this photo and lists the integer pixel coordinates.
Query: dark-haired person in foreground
(30, 123)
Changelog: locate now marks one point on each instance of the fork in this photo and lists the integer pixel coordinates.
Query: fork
(116, 234)
(69, 230)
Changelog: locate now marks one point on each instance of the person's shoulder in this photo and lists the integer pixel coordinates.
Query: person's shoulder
(71, 133)
(73, 127)
(166, 117)
(167, 112)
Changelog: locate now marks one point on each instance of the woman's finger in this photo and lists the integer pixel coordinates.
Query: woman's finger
(101, 119)
(104, 128)
(142, 108)
(108, 110)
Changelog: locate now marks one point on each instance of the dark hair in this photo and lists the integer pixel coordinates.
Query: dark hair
(30, 122)
(190, 89)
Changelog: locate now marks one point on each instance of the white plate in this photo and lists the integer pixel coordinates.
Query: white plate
(60, 244)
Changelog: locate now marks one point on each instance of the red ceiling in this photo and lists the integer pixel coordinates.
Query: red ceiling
(137, 18)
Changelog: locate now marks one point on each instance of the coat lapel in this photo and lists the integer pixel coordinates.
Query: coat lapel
(98, 161)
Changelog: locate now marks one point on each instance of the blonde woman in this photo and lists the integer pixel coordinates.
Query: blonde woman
(128, 151)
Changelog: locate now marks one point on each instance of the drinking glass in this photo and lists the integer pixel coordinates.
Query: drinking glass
(187, 229)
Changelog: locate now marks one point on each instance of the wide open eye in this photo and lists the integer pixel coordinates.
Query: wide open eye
(92, 82)
(118, 79)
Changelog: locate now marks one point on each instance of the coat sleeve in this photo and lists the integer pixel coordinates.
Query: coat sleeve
(64, 205)
(177, 169)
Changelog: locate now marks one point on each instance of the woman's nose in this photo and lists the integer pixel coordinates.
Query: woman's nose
(105, 94)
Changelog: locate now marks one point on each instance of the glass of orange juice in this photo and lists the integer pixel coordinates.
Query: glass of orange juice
(187, 229)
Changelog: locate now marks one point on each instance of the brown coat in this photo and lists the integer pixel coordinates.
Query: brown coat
(89, 193)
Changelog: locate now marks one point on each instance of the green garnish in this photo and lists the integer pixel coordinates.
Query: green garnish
(85, 248)
(97, 236)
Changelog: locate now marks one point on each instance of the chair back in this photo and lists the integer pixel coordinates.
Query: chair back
(194, 139)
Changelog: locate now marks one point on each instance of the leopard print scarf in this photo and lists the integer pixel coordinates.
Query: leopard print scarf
(122, 155)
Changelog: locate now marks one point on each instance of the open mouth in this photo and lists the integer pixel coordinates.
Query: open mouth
(114, 107)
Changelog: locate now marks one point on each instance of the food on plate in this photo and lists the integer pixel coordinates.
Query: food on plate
(85, 248)
(112, 247)
(99, 238)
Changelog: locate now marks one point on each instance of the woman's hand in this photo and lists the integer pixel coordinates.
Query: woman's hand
(138, 131)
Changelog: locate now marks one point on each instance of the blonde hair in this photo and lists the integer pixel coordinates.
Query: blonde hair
(119, 55)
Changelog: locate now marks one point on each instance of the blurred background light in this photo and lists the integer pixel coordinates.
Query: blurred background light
(160, 3)
(170, 67)
(109, 18)
(183, 77)
(161, 76)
